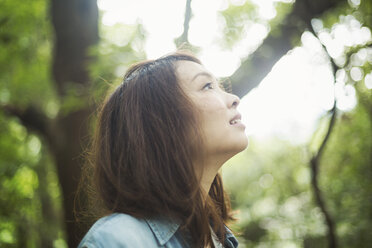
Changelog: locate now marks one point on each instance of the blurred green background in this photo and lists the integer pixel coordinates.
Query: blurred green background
(57, 59)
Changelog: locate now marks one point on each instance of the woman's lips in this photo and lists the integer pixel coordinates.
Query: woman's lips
(237, 121)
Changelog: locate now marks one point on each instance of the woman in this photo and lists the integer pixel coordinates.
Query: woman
(161, 138)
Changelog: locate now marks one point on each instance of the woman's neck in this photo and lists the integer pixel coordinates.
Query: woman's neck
(210, 169)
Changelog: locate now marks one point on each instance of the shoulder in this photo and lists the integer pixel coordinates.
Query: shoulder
(119, 230)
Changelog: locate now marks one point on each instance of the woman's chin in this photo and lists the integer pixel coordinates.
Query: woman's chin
(243, 144)
(239, 147)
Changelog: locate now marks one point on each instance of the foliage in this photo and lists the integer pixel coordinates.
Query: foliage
(270, 189)
(29, 190)
(120, 46)
(272, 195)
(349, 162)
(25, 45)
(237, 20)
(269, 183)
(30, 200)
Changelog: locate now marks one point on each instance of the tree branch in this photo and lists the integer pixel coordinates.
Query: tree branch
(184, 38)
(31, 117)
(314, 163)
(258, 65)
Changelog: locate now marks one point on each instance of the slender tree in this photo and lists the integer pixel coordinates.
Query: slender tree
(75, 25)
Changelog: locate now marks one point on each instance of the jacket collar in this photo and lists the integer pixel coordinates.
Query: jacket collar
(163, 229)
(230, 240)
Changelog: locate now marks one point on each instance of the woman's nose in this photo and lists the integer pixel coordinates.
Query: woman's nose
(234, 101)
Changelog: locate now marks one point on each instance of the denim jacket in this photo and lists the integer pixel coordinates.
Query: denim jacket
(122, 230)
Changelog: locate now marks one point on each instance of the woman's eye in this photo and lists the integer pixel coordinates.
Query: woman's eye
(208, 86)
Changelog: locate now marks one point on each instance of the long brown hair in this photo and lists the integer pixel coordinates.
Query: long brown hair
(146, 138)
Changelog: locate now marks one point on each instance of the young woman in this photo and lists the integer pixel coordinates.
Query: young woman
(160, 140)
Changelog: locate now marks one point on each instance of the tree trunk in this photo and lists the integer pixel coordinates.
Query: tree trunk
(76, 29)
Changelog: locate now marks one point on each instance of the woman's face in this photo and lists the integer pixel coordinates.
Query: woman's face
(221, 122)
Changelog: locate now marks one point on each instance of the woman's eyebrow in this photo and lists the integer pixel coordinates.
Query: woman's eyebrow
(203, 73)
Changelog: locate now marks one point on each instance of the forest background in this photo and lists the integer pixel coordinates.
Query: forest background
(58, 59)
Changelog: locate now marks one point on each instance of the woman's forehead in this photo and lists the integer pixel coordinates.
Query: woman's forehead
(188, 71)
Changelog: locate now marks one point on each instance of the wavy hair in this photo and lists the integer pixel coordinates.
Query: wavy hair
(142, 156)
